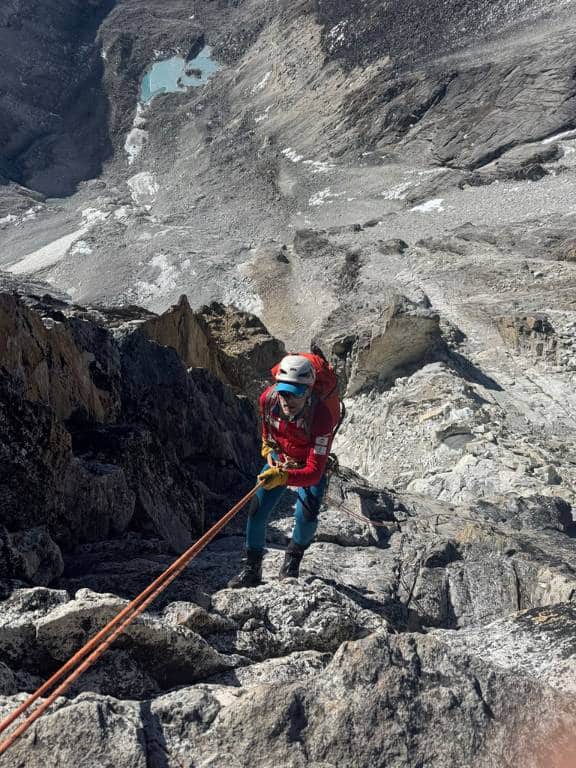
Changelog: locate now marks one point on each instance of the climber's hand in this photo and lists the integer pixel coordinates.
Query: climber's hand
(273, 477)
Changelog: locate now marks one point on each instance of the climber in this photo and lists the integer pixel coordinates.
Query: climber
(297, 432)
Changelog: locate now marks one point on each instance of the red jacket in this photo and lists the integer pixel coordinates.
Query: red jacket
(307, 445)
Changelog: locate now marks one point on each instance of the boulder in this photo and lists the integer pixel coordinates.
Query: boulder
(170, 655)
(66, 735)
(373, 348)
(279, 619)
(246, 351)
(20, 611)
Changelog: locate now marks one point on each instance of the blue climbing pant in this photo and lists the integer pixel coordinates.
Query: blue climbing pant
(305, 516)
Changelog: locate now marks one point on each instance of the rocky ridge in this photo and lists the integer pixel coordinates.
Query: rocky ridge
(412, 614)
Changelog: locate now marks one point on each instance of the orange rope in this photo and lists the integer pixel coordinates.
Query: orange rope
(103, 640)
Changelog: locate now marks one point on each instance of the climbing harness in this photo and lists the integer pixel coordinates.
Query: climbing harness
(95, 647)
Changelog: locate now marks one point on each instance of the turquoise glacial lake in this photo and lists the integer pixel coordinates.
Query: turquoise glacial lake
(178, 74)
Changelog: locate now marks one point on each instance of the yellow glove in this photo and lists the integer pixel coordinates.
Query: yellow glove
(274, 477)
(266, 449)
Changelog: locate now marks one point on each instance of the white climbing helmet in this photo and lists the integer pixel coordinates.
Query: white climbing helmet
(296, 369)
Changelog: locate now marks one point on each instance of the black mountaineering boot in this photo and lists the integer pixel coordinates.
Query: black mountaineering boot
(291, 565)
(251, 574)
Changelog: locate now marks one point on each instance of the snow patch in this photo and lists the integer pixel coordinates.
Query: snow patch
(134, 144)
(396, 193)
(122, 214)
(430, 205)
(336, 37)
(48, 255)
(10, 219)
(144, 188)
(263, 115)
(323, 196)
(564, 135)
(262, 84)
(93, 216)
(80, 248)
(166, 279)
(318, 166)
(292, 155)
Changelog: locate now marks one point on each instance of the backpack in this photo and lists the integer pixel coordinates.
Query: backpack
(326, 386)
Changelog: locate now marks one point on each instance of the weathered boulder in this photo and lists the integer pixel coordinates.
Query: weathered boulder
(279, 619)
(67, 736)
(38, 559)
(246, 351)
(520, 163)
(169, 654)
(20, 611)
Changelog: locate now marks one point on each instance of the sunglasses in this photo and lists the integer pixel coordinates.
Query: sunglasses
(290, 396)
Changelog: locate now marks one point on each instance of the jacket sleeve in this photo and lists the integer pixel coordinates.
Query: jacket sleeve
(320, 444)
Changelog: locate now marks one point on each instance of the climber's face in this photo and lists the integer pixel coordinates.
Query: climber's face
(291, 405)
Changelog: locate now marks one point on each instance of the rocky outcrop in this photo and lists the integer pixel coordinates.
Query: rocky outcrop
(246, 351)
(373, 349)
(187, 333)
(109, 430)
(532, 335)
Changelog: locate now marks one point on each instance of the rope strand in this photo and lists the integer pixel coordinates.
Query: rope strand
(95, 647)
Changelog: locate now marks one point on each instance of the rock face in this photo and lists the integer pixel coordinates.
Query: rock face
(393, 180)
(99, 428)
(53, 131)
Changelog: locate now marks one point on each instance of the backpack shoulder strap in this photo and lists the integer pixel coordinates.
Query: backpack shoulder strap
(309, 414)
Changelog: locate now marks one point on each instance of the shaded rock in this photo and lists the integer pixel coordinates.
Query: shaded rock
(566, 251)
(8, 683)
(55, 366)
(311, 244)
(19, 613)
(54, 132)
(541, 513)
(519, 164)
(41, 558)
(392, 247)
(116, 674)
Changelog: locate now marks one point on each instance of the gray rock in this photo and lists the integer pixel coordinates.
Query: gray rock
(171, 655)
(279, 619)
(20, 611)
